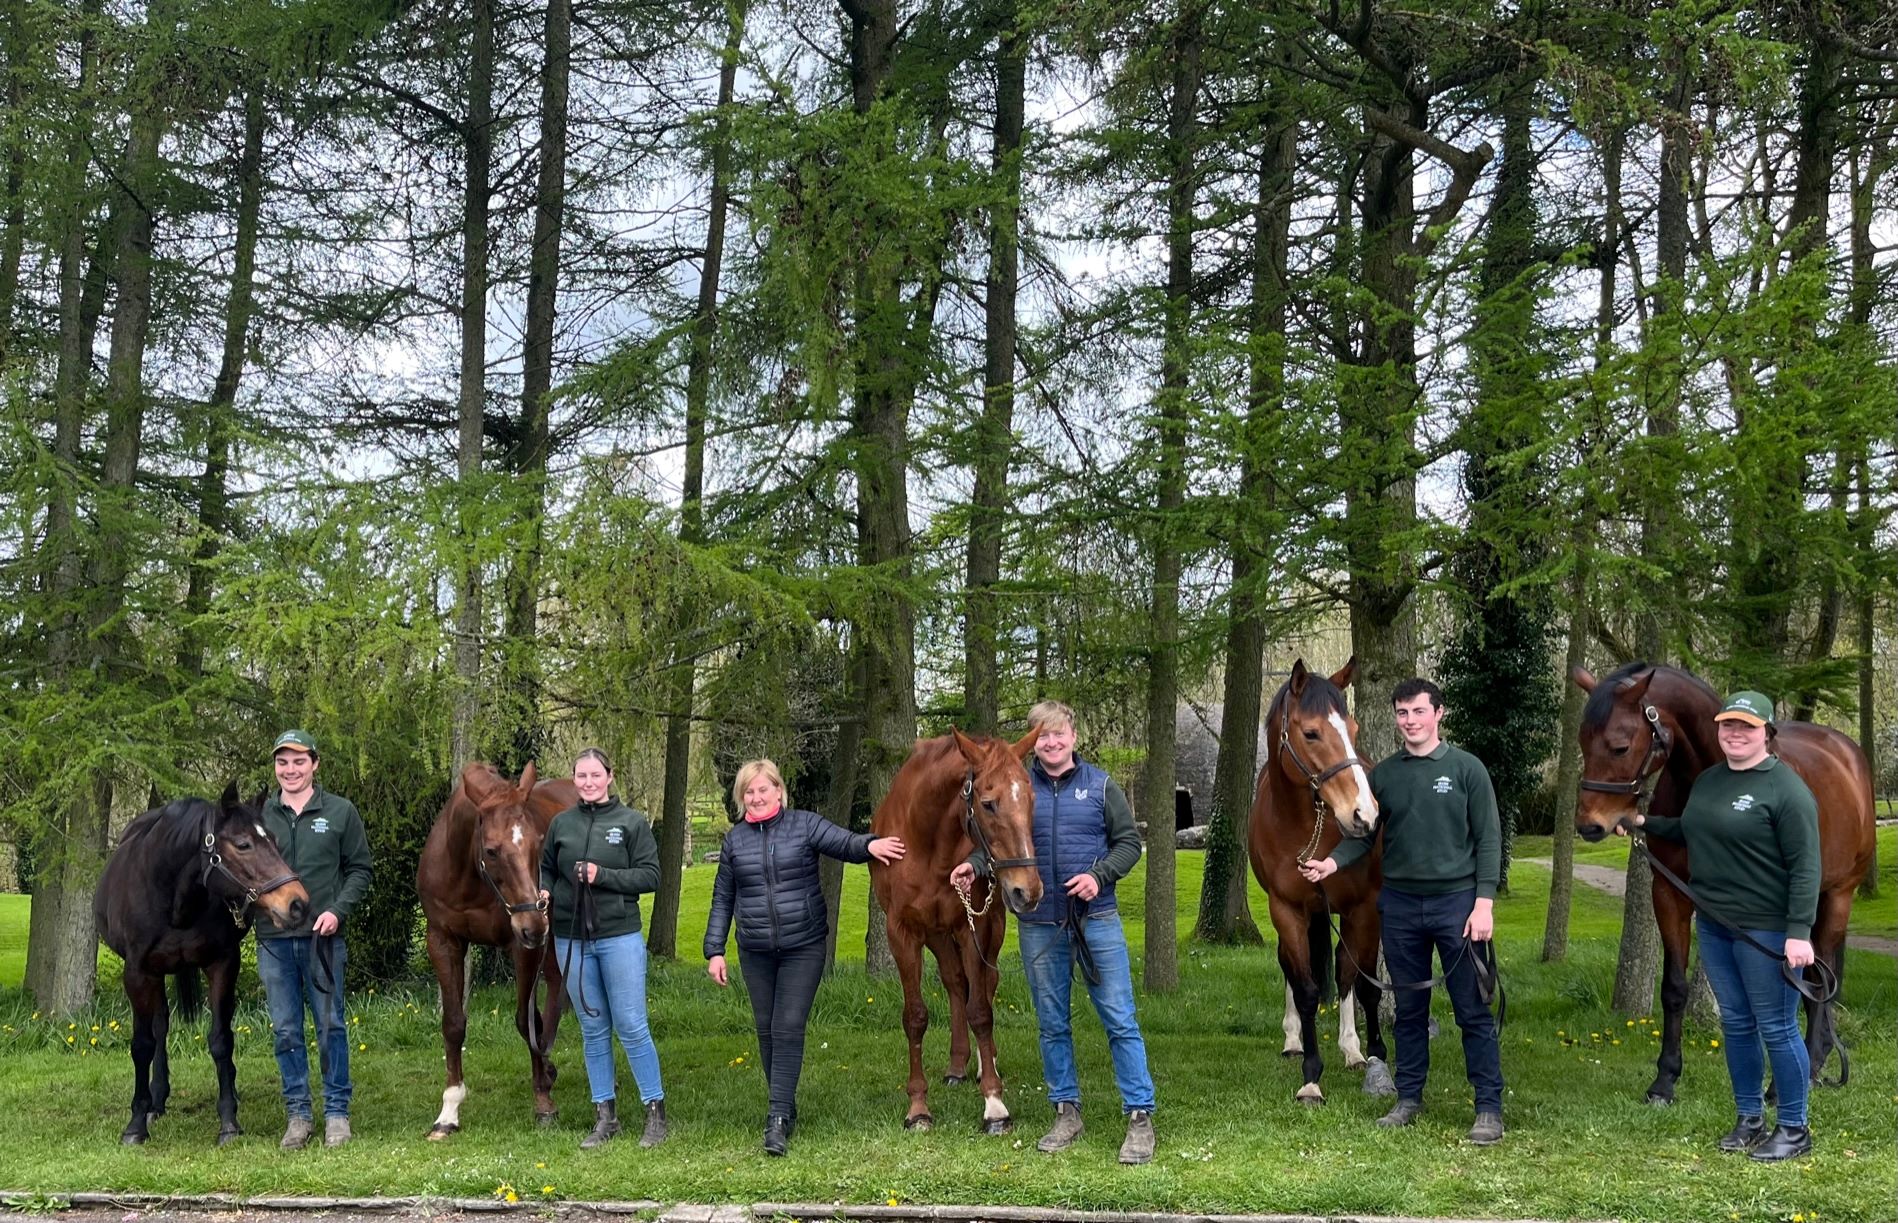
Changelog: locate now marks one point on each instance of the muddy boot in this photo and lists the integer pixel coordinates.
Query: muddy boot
(296, 1135)
(1138, 1146)
(1488, 1130)
(1402, 1113)
(1745, 1134)
(1067, 1127)
(656, 1128)
(335, 1131)
(605, 1124)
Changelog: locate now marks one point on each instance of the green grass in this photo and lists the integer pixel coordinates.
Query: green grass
(1582, 1141)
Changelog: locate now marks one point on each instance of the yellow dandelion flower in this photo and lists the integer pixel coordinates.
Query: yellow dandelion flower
(72, 1040)
(362, 1048)
(1713, 1044)
(95, 1042)
(542, 1165)
(893, 1201)
(871, 1000)
(546, 1188)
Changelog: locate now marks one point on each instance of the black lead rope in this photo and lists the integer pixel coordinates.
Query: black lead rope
(1077, 935)
(1481, 957)
(536, 905)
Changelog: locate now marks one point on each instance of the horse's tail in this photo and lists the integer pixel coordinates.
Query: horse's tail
(189, 1002)
(1318, 946)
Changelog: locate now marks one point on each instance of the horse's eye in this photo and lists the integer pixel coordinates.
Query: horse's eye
(242, 846)
(988, 805)
(493, 852)
(1619, 751)
(1311, 736)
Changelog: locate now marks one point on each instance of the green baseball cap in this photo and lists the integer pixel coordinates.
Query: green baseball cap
(1753, 708)
(301, 740)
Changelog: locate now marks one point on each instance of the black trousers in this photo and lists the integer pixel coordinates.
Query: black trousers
(1414, 926)
(782, 985)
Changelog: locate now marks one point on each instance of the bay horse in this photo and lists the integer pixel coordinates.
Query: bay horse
(954, 794)
(479, 880)
(174, 899)
(1647, 733)
(1311, 768)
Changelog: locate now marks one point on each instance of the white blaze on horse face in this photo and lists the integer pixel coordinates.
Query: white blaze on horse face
(1365, 810)
(451, 1106)
(1014, 792)
(1294, 1038)
(260, 831)
(1348, 1044)
(518, 838)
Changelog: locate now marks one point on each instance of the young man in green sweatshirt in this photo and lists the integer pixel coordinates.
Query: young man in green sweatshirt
(322, 838)
(1442, 863)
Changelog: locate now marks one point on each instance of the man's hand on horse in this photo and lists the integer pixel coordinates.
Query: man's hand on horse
(887, 849)
(1482, 922)
(963, 877)
(326, 923)
(1798, 952)
(1318, 869)
(715, 968)
(1084, 886)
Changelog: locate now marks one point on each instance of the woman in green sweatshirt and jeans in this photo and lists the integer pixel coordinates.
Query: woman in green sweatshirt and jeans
(599, 858)
(1752, 833)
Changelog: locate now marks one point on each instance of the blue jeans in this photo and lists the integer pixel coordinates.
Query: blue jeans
(294, 970)
(613, 971)
(1414, 926)
(1758, 1008)
(1048, 962)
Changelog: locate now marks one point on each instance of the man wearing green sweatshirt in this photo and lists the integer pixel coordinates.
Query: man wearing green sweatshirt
(1442, 863)
(322, 838)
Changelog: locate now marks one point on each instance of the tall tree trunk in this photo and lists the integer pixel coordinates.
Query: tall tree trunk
(1225, 914)
(846, 775)
(472, 401)
(527, 457)
(698, 393)
(1868, 166)
(220, 423)
(994, 439)
(1162, 969)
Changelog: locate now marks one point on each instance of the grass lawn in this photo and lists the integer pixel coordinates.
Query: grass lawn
(1582, 1142)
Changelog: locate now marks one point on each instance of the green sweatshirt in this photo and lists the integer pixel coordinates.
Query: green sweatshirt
(1752, 838)
(620, 841)
(327, 847)
(1437, 814)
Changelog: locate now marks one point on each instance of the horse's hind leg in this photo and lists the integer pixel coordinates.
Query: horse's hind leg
(1303, 991)
(907, 950)
(147, 995)
(952, 969)
(448, 955)
(221, 977)
(161, 1057)
(1674, 916)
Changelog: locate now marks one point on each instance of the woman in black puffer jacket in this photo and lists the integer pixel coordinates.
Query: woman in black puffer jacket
(768, 880)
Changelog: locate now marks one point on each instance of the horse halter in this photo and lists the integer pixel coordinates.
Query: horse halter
(1315, 780)
(1659, 744)
(536, 905)
(214, 861)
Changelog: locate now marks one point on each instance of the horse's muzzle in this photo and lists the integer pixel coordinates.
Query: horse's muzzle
(530, 929)
(287, 906)
(1591, 832)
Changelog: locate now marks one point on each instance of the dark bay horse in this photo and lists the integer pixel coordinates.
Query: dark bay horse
(954, 794)
(479, 880)
(1311, 768)
(1647, 733)
(175, 898)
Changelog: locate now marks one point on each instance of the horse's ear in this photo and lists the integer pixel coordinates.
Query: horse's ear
(1026, 743)
(528, 778)
(1344, 675)
(1636, 686)
(478, 781)
(965, 745)
(1297, 682)
(1583, 678)
(230, 798)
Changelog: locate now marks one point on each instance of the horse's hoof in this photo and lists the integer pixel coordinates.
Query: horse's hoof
(547, 1121)
(921, 1121)
(1000, 1125)
(1291, 1053)
(955, 1080)
(131, 1139)
(1311, 1094)
(1659, 1101)
(438, 1131)
(225, 1137)
(157, 1110)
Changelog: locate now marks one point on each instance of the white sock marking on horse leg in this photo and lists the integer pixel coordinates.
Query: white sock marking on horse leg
(451, 1105)
(1348, 1031)
(1294, 1033)
(993, 1109)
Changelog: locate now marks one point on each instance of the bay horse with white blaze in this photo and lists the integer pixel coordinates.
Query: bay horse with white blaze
(1647, 733)
(479, 880)
(956, 793)
(175, 898)
(1311, 768)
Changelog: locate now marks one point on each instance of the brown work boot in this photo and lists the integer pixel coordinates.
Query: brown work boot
(656, 1128)
(1067, 1127)
(1138, 1146)
(296, 1135)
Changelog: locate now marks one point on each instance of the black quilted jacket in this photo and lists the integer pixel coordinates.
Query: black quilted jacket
(767, 879)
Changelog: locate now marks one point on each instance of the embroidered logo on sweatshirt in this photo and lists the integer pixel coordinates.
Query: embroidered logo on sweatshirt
(1744, 803)
(1441, 785)
(615, 835)
(1081, 793)
(319, 824)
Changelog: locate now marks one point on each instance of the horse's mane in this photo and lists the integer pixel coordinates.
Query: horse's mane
(180, 818)
(1320, 696)
(1601, 702)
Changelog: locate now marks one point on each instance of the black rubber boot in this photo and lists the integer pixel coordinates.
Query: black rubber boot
(1785, 1142)
(1745, 1134)
(777, 1133)
(605, 1124)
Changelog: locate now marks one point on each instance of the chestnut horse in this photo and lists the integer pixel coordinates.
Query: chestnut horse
(175, 898)
(954, 794)
(1311, 767)
(1647, 733)
(479, 880)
